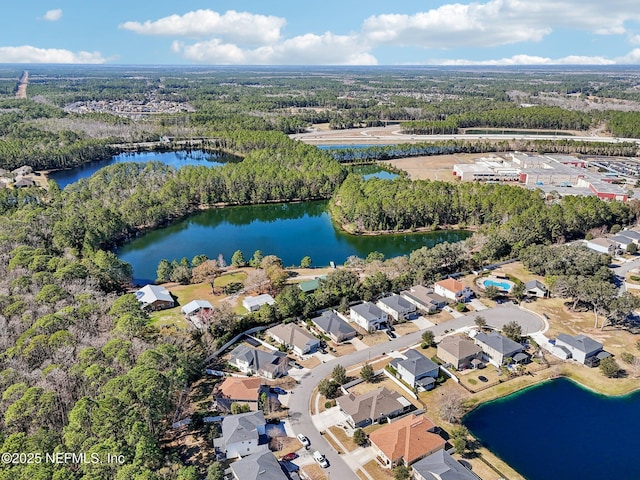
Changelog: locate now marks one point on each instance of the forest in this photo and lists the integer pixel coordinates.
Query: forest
(81, 368)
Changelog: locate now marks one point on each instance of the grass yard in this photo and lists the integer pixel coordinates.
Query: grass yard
(173, 317)
(343, 438)
(314, 472)
(375, 470)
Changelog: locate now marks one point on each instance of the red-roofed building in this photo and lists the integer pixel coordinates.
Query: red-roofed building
(453, 290)
(240, 390)
(406, 441)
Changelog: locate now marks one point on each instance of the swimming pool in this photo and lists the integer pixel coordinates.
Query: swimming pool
(503, 285)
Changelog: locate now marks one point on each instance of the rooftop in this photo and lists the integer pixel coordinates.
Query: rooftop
(368, 310)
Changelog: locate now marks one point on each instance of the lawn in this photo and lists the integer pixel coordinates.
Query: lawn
(186, 293)
(375, 470)
(343, 438)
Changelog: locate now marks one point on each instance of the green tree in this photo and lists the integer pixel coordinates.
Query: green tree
(632, 249)
(609, 367)
(339, 375)
(215, 471)
(492, 292)
(198, 259)
(518, 291)
(164, 271)
(328, 388)
(367, 373)
(237, 408)
(429, 338)
(513, 330)
(306, 262)
(480, 322)
(359, 437)
(256, 259)
(401, 472)
(237, 259)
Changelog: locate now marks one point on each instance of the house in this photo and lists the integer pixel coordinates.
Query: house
(239, 390)
(155, 297)
(622, 241)
(496, 347)
(256, 362)
(584, 349)
(424, 298)
(241, 434)
(632, 234)
(535, 288)
(453, 290)
(368, 316)
(333, 325)
(253, 304)
(309, 286)
(262, 465)
(406, 440)
(416, 370)
(441, 466)
(258, 466)
(372, 407)
(398, 308)
(197, 307)
(292, 336)
(459, 352)
(602, 245)
(23, 182)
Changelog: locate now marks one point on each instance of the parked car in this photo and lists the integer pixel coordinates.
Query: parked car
(304, 440)
(296, 365)
(290, 456)
(390, 334)
(277, 390)
(321, 459)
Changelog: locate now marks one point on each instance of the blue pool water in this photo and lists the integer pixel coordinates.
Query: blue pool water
(560, 430)
(504, 286)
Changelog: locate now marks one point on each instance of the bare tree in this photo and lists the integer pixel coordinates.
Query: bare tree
(452, 407)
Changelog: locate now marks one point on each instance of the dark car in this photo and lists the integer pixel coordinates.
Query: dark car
(290, 456)
(482, 378)
(390, 334)
(278, 391)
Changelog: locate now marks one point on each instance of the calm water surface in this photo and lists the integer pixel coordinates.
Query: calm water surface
(561, 431)
(290, 231)
(176, 159)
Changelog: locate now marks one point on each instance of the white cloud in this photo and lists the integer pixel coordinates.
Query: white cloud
(530, 60)
(309, 49)
(498, 22)
(53, 15)
(241, 27)
(29, 54)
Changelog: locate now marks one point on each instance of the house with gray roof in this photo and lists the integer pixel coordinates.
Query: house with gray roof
(581, 348)
(258, 466)
(333, 325)
(398, 307)
(459, 352)
(441, 466)
(424, 298)
(253, 304)
(622, 240)
(535, 288)
(372, 407)
(632, 234)
(416, 370)
(292, 336)
(195, 307)
(257, 362)
(154, 297)
(368, 316)
(241, 434)
(496, 347)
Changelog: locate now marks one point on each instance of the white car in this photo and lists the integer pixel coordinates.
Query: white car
(304, 440)
(321, 459)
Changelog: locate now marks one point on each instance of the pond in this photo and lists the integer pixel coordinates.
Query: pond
(561, 430)
(290, 231)
(176, 159)
(373, 171)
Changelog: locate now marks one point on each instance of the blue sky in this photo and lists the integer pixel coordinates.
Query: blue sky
(327, 32)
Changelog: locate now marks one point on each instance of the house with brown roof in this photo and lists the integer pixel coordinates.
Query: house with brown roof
(424, 298)
(453, 290)
(406, 440)
(292, 336)
(459, 352)
(240, 390)
(372, 407)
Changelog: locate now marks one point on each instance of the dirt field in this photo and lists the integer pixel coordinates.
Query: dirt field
(437, 167)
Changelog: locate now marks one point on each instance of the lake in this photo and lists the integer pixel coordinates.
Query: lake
(373, 171)
(561, 430)
(176, 159)
(290, 231)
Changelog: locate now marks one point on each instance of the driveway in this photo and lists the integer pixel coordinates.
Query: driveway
(478, 305)
(422, 322)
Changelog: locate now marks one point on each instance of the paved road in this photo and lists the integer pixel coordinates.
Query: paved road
(300, 417)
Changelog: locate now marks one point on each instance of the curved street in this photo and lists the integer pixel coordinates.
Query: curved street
(299, 404)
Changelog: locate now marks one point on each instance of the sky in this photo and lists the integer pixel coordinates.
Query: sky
(327, 32)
